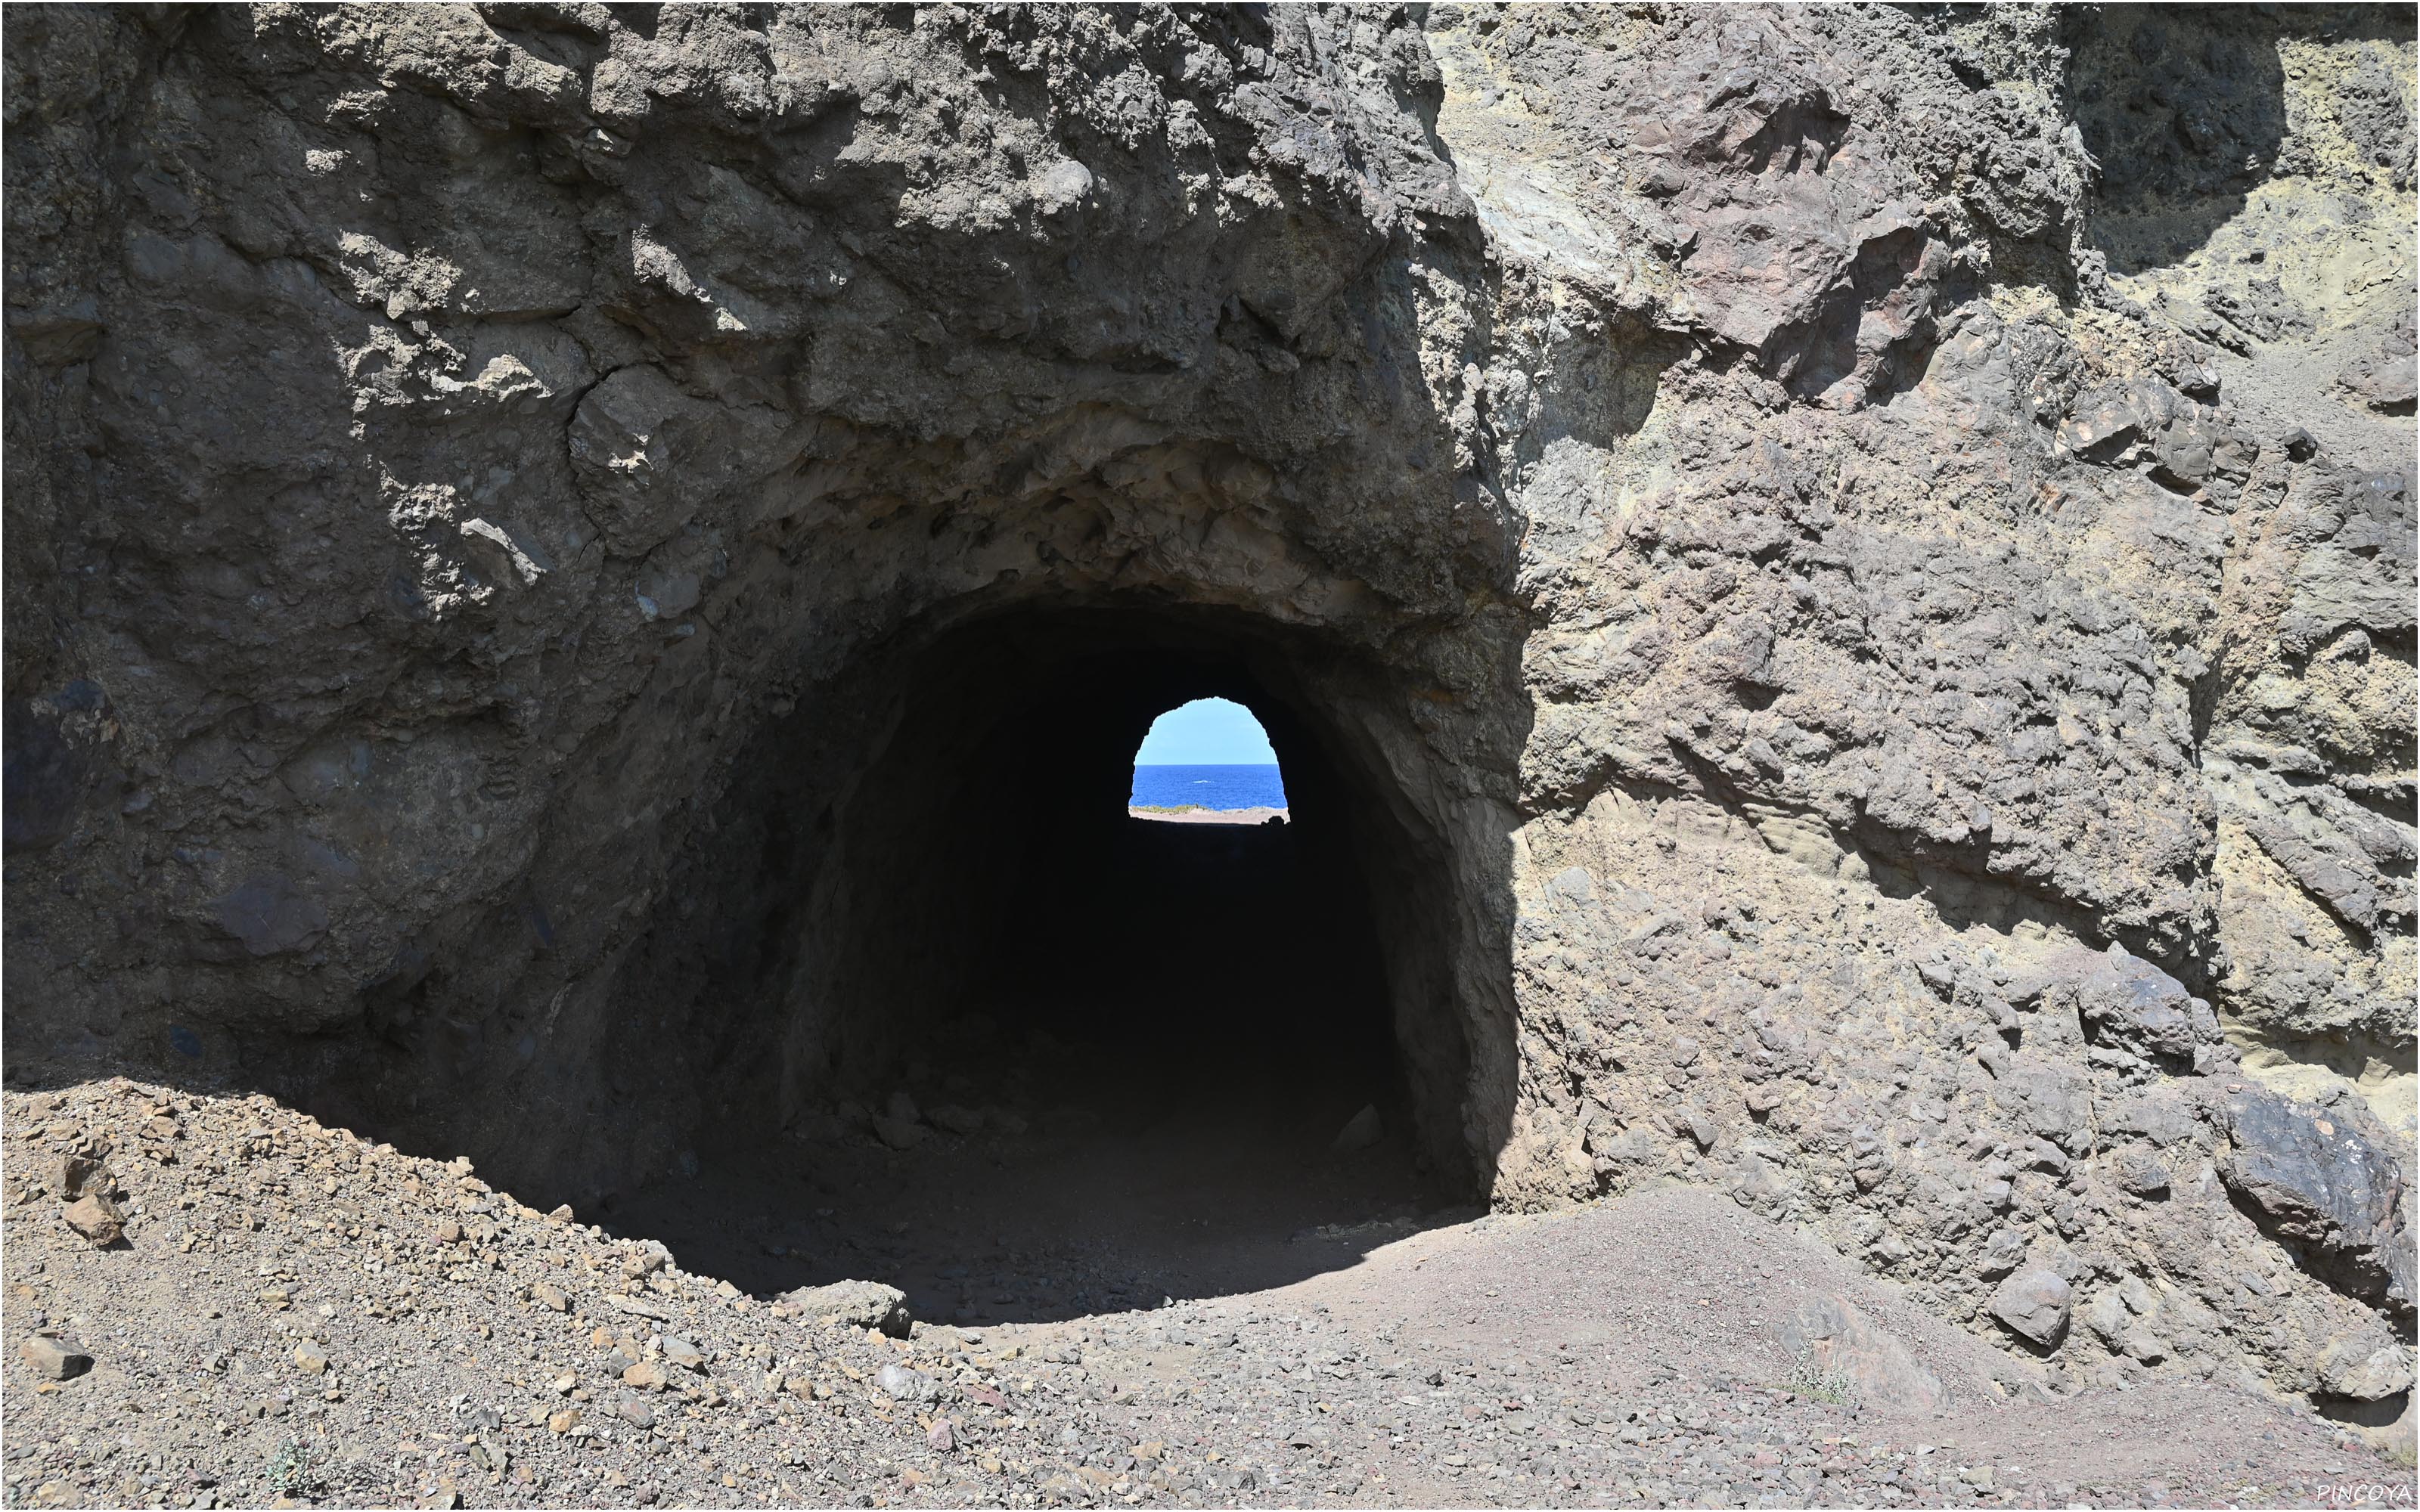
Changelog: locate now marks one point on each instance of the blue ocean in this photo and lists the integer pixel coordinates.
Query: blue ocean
(1212, 787)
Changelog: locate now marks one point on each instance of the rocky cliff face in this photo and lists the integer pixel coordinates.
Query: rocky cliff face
(1854, 570)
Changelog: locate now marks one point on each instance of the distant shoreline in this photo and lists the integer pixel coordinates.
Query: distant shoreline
(1260, 814)
(1232, 787)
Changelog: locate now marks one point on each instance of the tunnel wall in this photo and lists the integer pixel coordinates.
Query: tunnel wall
(1828, 562)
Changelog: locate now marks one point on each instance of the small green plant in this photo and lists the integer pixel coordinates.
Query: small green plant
(1810, 1378)
(290, 1468)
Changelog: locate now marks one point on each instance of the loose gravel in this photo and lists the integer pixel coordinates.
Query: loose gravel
(287, 1314)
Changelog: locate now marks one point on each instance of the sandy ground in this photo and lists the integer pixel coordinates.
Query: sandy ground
(1260, 816)
(294, 1312)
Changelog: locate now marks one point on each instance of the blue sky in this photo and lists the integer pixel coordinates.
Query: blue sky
(1206, 732)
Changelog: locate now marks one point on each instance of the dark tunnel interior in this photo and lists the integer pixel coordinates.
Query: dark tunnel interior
(1122, 1054)
(1233, 954)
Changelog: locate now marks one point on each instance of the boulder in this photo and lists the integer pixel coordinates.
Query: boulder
(97, 1219)
(899, 1134)
(956, 1120)
(2322, 1178)
(2106, 1315)
(2034, 1304)
(2367, 1367)
(2005, 1250)
(69, 1176)
(647, 1375)
(856, 1305)
(2139, 1173)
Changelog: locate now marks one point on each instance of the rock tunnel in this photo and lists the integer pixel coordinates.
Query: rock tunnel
(984, 867)
(950, 937)
(559, 617)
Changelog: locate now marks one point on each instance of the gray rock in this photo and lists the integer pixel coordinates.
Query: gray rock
(2161, 1115)
(2145, 1347)
(270, 914)
(2367, 1367)
(2034, 1304)
(904, 1384)
(2128, 1003)
(2322, 1178)
(1360, 1131)
(2004, 1251)
(899, 1134)
(957, 1121)
(2106, 1317)
(855, 1304)
(2139, 1173)
(51, 1360)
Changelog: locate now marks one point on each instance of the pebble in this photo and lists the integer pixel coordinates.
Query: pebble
(646, 1376)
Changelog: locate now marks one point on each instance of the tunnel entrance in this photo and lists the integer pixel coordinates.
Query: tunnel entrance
(1045, 1054)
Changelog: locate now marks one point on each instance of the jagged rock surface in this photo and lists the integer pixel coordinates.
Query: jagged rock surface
(1927, 594)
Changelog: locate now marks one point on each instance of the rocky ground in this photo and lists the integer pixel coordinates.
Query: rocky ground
(214, 1301)
(1258, 814)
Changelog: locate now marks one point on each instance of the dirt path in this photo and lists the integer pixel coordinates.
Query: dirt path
(294, 1313)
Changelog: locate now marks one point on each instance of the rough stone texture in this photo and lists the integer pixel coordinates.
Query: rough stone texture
(2329, 1186)
(53, 1361)
(2033, 1304)
(857, 1303)
(1832, 1340)
(1857, 565)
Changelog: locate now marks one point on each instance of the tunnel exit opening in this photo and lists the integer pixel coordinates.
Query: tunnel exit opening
(1208, 762)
